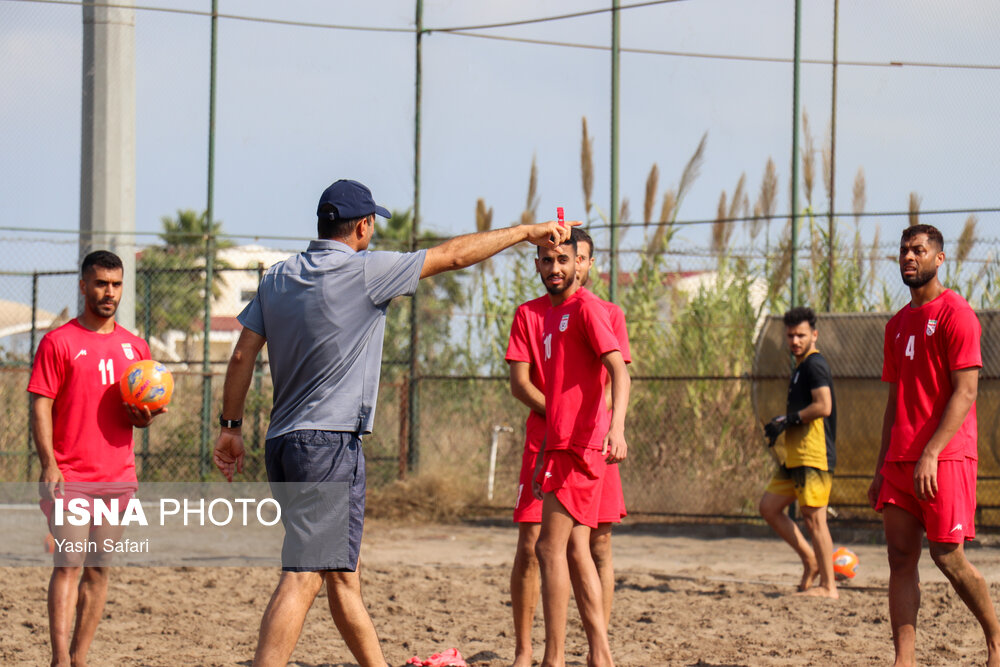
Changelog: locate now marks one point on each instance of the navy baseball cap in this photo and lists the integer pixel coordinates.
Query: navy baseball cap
(350, 200)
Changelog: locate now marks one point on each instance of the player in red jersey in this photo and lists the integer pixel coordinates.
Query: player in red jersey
(83, 435)
(612, 509)
(925, 480)
(579, 351)
(524, 357)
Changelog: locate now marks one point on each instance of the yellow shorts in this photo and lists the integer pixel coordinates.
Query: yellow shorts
(810, 486)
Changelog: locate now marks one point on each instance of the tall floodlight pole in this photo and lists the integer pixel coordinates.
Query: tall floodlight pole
(833, 161)
(107, 149)
(795, 154)
(206, 362)
(613, 217)
(413, 402)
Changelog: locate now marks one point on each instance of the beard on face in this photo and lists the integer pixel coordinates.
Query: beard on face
(562, 287)
(921, 278)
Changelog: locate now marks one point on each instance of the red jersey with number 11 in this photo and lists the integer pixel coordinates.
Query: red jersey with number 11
(922, 347)
(79, 369)
(575, 335)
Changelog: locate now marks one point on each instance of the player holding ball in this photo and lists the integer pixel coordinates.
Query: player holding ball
(83, 434)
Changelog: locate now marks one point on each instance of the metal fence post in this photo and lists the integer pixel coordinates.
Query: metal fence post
(413, 452)
(206, 363)
(30, 454)
(147, 326)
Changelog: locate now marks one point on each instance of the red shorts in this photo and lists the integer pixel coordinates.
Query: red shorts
(612, 508)
(576, 476)
(527, 508)
(950, 517)
(88, 491)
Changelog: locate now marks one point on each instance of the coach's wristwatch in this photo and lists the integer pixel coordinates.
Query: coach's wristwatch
(230, 423)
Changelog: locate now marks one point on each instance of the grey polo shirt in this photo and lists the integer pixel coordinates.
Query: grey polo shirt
(323, 315)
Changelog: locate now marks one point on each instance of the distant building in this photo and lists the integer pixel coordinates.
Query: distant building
(16, 326)
(238, 288)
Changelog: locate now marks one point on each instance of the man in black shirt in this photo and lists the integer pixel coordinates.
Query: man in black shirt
(806, 474)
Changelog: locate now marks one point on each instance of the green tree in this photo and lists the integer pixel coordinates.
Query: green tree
(173, 274)
(438, 299)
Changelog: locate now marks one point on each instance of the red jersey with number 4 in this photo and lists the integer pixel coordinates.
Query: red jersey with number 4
(922, 347)
(575, 335)
(79, 369)
(525, 344)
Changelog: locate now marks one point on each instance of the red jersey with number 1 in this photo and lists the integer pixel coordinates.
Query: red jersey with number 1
(922, 347)
(575, 335)
(79, 369)
(525, 344)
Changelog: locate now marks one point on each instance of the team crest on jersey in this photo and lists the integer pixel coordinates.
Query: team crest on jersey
(931, 327)
(127, 349)
(564, 322)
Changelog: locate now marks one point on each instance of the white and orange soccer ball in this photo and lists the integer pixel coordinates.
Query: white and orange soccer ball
(845, 563)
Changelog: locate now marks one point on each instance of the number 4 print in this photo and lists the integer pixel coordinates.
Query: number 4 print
(910, 347)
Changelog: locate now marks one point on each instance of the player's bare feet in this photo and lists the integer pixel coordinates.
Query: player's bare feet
(821, 592)
(522, 660)
(993, 656)
(810, 573)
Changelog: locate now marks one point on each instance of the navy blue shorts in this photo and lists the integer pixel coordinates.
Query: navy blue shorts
(318, 478)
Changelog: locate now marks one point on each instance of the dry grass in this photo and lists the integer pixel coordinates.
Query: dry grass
(432, 496)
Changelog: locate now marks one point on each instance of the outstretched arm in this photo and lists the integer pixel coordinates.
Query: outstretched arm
(228, 453)
(469, 249)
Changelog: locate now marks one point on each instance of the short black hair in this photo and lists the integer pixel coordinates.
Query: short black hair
(571, 242)
(328, 227)
(102, 258)
(580, 235)
(932, 232)
(800, 314)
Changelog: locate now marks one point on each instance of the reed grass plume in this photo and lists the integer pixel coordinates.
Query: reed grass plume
(484, 216)
(719, 226)
(966, 240)
(859, 199)
(914, 209)
(781, 270)
(767, 201)
(808, 154)
(587, 167)
(665, 227)
(530, 213)
(649, 202)
(691, 169)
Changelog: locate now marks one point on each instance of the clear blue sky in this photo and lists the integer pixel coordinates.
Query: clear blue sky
(300, 107)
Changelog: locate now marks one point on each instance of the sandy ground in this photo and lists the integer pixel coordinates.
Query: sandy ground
(685, 595)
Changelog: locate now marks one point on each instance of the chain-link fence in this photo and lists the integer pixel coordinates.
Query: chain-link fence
(709, 367)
